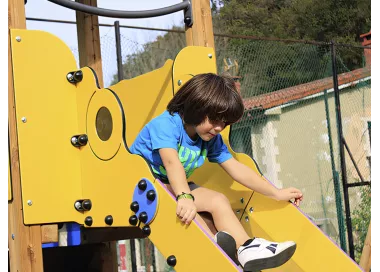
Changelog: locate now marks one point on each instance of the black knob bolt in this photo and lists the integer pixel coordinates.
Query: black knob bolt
(142, 185)
(88, 221)
(143, 217)
(187, 21)
(82, 139)
(133, 220)
(151, 195)
(86, 205)
(108, 220)
(171, 260)
(146, 230)
(135, 206)
(75, 76)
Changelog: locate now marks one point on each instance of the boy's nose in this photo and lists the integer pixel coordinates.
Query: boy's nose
(218, 128)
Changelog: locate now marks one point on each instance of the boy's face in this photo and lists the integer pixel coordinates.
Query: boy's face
(209, 129)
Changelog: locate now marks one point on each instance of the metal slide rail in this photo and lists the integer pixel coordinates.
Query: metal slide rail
(185, 6)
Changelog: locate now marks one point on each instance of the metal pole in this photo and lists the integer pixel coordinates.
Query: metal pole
(341, 153)
(118, 52)
(122, 13)
(353, 160)
(335, 174)
(133, 255)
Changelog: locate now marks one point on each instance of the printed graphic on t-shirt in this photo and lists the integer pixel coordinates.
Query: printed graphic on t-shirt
(190, 160)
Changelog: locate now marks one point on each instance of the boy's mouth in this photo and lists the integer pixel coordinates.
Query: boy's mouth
(213, 135)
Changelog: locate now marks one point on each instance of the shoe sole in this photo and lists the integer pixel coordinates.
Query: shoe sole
(228, 244)
(271, 262)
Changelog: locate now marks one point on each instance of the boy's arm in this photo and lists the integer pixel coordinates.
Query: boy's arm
(186, 209)
(174, 170)
(249, 178)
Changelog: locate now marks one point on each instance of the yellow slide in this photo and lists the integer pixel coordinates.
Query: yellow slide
(73, 146)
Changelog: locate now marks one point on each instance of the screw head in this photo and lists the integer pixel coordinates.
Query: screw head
(18, 38)
(146, 231)
(143, 217)
(133, 220)
(74, 140)
(210, 56)
(30, 203)
(171, 260)
(108, 220)
(151, 195)
(246, 219)
(23, 119)
(242, 200)
(78, 206)
(88, 221)
(142, 185)
(251, 210)
(135, 206)
(87, 204)
(179, 82)
(13, 236)
(238, 211)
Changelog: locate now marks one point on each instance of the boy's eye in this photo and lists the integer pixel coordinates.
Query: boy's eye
(219, 122)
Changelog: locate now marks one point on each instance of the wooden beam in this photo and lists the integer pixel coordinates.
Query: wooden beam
(365, 259)
(90, 55)
(89, 40)
(25, 251)
(49, 233)
(201, 33)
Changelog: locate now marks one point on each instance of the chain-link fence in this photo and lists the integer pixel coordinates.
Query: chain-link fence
(290, 126)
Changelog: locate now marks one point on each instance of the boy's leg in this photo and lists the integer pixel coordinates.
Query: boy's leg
(218, 205)
(207, 219)
(204, 220)
(253, 254)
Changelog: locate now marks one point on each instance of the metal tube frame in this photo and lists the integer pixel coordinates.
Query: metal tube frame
(185, 6)
(353, 161)
(120, 73)
(341, 153)
(335, 175)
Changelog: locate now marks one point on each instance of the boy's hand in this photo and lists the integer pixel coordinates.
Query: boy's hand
(290, 193)
(186, 210)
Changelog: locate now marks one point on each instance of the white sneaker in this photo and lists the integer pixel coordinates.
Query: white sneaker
(257, 254)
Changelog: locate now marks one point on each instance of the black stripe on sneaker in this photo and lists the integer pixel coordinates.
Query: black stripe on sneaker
(271, 249)
(249, 247)
(248, 242)
(273, 245)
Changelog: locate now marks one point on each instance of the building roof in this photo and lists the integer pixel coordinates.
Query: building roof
(289, 94)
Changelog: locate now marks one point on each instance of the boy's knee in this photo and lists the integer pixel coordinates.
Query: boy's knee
(220, 201)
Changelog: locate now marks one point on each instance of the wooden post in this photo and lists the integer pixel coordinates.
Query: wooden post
(25, 251)
(365, 259)
(201, 33)
(90, 55)
(89, 40)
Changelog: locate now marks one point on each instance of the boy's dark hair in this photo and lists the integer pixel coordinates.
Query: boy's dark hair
(208, 95)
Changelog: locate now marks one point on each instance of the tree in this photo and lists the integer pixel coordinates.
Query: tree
(361, 217)
(152, 55)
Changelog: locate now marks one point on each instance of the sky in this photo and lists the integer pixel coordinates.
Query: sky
(67, 32)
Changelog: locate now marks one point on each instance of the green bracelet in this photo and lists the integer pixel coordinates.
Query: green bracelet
(185, 195)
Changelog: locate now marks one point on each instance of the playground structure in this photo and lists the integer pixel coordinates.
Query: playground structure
(69, 161)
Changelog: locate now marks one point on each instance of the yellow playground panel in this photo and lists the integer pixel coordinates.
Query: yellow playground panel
(73, 147)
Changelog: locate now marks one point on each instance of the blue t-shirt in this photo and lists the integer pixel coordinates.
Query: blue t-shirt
(167, 131)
